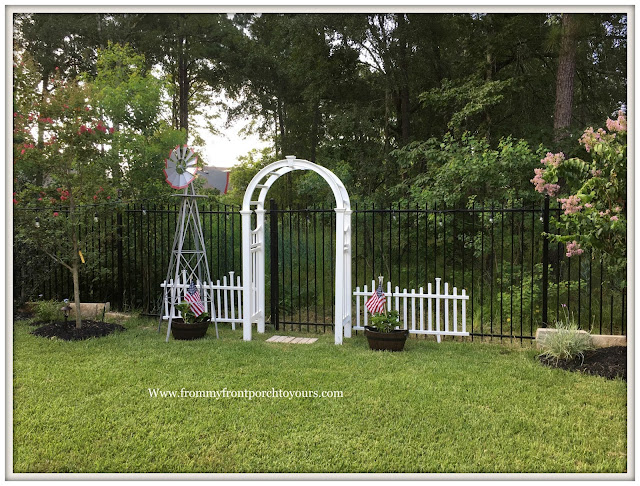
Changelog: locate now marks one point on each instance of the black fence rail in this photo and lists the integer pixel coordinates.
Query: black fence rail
(516, 280)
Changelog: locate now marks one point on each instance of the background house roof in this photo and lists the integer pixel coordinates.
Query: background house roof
(215, 178)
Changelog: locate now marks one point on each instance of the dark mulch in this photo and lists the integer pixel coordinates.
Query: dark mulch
(19, 315)
(68, 332)
(608, 362)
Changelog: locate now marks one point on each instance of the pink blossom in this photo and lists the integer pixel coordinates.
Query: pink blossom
(573, 248)
(15, 201)
(553, 160)
(571, 204)
(617, 209)
(108, 197)
(551, 189)
(590, 138)
(95, 197)
(596, 172)
(538, 180)
(55, 214)
(39, 199)
(22, 152)
(588, 205)
(111, 130)
(614, 218)
(619, 125)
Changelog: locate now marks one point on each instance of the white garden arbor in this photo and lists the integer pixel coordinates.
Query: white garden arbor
(253, 247)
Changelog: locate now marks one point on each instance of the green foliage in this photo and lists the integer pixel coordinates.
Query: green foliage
(465, 101)
(567, 342)
(48, 311)
(595, 207)
(187, 314)
(385, 322)
(457, 171)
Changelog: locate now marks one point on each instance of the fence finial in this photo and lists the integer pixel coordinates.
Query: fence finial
(380, 279)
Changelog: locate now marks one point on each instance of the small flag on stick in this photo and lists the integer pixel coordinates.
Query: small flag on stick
(377, 301)
(193, 297)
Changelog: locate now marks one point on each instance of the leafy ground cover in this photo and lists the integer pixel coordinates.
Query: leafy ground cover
(85, 406)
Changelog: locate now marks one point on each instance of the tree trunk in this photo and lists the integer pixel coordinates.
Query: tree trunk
(404, 81)
(281, 126)
(564, 78)
(183, 82)
(314, 131)
(75, 260)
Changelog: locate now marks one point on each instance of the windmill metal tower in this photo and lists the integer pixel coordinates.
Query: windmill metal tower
(188, 260)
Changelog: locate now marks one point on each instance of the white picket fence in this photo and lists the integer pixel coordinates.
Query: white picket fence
(225, 297)
(443, 315)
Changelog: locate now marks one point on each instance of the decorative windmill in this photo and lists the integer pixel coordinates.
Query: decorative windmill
(189, 256)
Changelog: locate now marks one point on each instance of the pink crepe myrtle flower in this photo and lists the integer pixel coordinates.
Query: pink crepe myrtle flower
(614, 218)
(571, 204)
(553, 160)
(573, 248)
(55, 214)
(588, 205)
(538, 180)
(619, 125)
(551, 189)
(590, 137)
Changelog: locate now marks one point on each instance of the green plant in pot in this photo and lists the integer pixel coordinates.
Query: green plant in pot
(382, 335)
(190, 326)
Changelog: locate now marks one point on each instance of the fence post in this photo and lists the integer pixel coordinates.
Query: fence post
(273, 256)
(545, 263)
(120, 258)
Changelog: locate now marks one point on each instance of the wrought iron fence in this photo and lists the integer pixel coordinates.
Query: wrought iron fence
(516, 281)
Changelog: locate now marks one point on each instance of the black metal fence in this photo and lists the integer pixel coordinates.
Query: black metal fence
(515, 280)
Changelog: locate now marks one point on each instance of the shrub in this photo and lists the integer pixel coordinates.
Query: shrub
(567, 343)
(48, 311)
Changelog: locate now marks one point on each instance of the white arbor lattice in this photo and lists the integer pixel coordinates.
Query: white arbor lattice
(253, 248)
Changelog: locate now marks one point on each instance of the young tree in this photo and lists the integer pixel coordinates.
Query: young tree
(595, 194)
(73, 159)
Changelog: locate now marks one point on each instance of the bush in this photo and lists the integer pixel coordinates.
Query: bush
(567, 343)
(48, 311)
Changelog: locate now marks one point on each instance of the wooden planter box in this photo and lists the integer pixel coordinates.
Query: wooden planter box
(188, 332)
(386, 341)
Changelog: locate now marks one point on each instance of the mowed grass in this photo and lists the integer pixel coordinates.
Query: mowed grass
(449, 407)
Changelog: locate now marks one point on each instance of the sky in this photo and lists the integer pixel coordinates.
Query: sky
(223, 151)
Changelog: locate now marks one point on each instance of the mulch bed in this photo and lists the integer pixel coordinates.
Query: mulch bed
(19, 315)
(610, 362)
(68, 332)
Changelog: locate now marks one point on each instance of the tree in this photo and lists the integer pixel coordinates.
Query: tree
(564, 78)
(73, 157)
(596, 194)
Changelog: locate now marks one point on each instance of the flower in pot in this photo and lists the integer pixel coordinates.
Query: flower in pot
(191, 326)
(383, 335)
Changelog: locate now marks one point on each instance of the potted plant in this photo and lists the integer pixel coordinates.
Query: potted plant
(190, 326)
(383, 335)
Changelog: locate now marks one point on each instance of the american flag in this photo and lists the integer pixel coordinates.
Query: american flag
(193, 297)
(377, 301)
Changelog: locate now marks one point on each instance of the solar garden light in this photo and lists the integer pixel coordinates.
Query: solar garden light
(66, 310)
(37, 224)
(95, 217)
(144, 211)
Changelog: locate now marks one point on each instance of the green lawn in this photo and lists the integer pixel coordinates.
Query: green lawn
(449, 407)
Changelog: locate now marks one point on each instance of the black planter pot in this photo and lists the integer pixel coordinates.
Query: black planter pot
(386, 341)
(187, 332)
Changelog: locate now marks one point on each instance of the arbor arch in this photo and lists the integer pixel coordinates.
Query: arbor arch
(253, 250)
